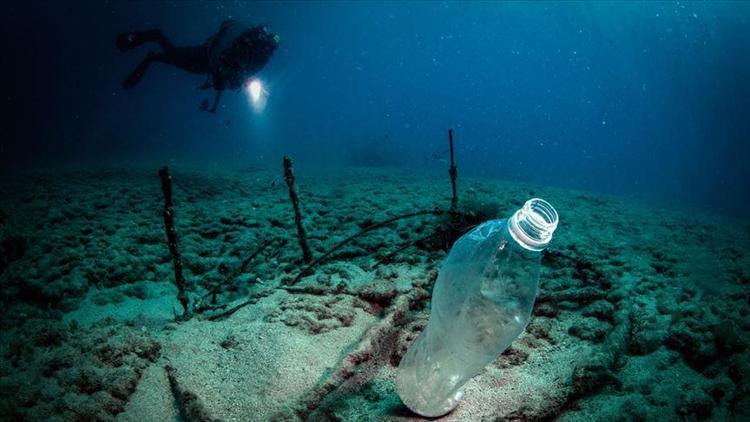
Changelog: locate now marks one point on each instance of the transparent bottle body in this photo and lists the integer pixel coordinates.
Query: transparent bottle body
(482, 301)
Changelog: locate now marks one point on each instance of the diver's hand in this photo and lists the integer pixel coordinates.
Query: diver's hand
(216, 101)
(204, 103)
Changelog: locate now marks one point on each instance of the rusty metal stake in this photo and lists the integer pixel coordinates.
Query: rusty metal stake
(166, 187)
(290, 181)
(453, 171)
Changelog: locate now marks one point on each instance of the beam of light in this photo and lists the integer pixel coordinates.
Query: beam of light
(257, 94)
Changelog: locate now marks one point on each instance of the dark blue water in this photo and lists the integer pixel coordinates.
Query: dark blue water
(650, 100)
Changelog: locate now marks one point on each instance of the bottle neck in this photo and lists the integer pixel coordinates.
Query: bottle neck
(532, 226)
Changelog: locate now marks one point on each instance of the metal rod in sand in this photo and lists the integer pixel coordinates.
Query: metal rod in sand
(166, 187)
(453, 171)
(290, 181)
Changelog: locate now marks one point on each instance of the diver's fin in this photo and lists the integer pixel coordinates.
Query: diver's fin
(127, 41)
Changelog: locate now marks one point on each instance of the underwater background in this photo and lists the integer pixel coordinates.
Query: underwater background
(631, 118)
(648, 99)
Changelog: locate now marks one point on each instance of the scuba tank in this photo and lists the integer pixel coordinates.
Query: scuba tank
(237, 52)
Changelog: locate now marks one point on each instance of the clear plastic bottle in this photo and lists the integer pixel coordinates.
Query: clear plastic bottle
(481, 302)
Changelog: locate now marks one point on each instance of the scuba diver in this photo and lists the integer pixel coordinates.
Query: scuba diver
(228, 58)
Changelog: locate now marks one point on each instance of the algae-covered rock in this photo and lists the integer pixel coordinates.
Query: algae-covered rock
(589, 329)
(693, 339)
(77, 374)
(12, 248)
(729, 337)
(694, 402)
(601, 310)
(647, 333)
(592, 376)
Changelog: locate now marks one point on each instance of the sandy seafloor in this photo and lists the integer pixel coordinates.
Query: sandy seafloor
(642, 312)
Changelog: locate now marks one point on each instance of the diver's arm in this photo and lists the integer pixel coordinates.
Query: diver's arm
(216, 100)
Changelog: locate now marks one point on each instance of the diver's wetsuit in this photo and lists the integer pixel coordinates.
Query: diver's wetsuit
(228, 57)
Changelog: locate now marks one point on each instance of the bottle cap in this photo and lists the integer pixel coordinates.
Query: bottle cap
(532, 225)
